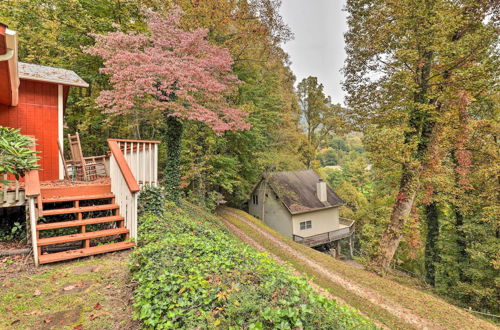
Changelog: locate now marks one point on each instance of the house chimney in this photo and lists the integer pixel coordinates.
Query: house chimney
(321, 191)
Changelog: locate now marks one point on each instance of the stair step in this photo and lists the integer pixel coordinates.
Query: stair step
(76, 223)
(80, 209)
(72, 254)
(76, 198)
(75, 190)
(81, 236)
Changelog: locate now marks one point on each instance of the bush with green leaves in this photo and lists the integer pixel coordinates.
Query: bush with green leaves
(192, 273)
(16, 156)
(152, 200)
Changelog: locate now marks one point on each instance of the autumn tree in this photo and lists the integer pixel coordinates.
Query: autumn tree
(320, 117)
(172, 71)
(408, 61)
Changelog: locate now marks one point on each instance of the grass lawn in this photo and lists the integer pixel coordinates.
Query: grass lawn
(91, 293)
(434, 309)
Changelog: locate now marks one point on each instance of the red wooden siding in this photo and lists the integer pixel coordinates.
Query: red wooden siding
(36, 115)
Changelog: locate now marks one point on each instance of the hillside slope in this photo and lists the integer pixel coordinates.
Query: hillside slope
(383, 300)
(191, 272)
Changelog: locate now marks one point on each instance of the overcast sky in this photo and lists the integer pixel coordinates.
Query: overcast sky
(318, 47)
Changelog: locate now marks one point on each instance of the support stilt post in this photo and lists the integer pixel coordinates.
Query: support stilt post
(351, 247)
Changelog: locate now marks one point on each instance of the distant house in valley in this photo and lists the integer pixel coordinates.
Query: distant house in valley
(300, 205)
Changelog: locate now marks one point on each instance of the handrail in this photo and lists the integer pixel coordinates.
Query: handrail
(330, 235)
(347, 222)
(32, 183)
(128, 140)
(132, 184)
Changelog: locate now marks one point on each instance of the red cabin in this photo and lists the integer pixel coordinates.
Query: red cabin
(33, 98)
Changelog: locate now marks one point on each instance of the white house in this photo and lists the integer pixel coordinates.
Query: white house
(300, 205)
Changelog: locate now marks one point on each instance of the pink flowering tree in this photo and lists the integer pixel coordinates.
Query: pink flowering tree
(173, 71)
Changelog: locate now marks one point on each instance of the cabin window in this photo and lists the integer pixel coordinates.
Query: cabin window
(305, 225)
(255, 199)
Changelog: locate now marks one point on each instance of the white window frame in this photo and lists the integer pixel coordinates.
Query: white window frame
(304, 225)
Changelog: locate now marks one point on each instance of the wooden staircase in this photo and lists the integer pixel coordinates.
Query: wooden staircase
(85, 215)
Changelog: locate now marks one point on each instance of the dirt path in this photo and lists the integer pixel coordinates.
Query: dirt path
(364, 292)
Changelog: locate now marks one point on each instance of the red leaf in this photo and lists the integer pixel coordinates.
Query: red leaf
(97, 306)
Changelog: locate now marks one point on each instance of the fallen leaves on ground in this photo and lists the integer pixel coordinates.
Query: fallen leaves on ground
(97, 306)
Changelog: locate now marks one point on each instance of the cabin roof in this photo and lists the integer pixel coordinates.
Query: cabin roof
(50, 74)
(297, 190)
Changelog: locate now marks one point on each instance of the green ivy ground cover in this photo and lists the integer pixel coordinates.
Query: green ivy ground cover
(191, 273)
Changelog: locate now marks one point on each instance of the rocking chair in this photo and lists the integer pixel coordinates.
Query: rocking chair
(84, 168)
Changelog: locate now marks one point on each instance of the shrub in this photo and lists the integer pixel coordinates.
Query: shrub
(16, 157)
(152, 199)
(192, 273)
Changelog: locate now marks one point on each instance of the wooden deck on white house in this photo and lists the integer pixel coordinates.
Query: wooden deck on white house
(347, 229)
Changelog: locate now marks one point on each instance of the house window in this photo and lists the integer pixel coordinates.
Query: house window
(255, 199)
(305, 225)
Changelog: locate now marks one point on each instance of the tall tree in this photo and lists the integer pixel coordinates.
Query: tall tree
(407, 61)
(172, 71)
(319, 115)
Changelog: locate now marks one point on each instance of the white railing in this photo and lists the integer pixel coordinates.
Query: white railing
(142, 158)
(330, 236)
(124, 186)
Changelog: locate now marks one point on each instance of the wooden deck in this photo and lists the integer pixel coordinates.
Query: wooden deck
(14, 194)
(347, 229)
(81, 215)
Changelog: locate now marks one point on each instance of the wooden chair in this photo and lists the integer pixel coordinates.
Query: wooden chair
(84, 168)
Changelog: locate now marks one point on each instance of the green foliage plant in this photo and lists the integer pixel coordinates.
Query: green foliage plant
(191, 273)
(16, 156)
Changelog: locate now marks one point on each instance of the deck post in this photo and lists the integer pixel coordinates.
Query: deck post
(351, 246)
(338, 248)
(33, 221)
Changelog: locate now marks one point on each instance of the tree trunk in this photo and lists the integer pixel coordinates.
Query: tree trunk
(431, 252)
(173, 138)
(461, 243)
(393, 233)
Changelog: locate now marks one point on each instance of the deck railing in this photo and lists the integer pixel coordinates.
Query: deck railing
(330, 236)
(142, 158)
(124, 186)
(10, 193)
